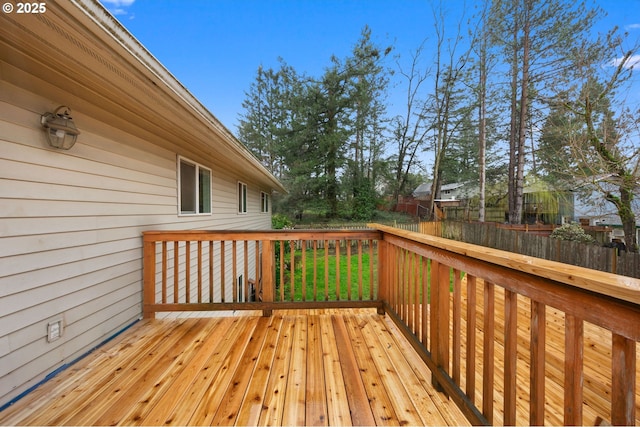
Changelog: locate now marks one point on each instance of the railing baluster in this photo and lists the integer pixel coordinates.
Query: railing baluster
(326, 270)
(573, 370)
(315, 270)
(164, 272)
(488, 353)
(444, 285)
(176, 270)
(409, 295)
(471, 338)
(199, 271)
(245, 281)
(223, 269)
(338, 290)
(510, 355)
(417, 306)
(457, 326)
(538, 341)
(211, 264)
(360, 269)
(372, 280)
(292, 270)
(187, 268)
(404, 254)
(425, 301)
(348, 243)
(435, 314)
(282, 251)
(234, 271)
(406, 287)
(394, 276)
(304, 270)
(258, 284)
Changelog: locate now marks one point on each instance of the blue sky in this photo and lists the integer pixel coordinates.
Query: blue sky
(214, 47)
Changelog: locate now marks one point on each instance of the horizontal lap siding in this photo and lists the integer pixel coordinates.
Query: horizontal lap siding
(70, 233)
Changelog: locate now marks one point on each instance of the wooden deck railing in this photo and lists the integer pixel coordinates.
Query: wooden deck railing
(249, 270)
(441, 293)
(422, 286)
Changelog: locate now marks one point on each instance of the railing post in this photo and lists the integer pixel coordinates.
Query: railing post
(268, 273)
(439, 318)
(623, 390)
(383, 275)
(148, 277)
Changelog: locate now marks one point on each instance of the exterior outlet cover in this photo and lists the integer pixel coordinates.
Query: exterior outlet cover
(54, 330)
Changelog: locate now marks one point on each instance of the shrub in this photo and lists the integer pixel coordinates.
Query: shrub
(572, 232)
(279, 221)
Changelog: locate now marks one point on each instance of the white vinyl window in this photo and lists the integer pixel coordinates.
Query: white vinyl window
(242, 197)
(194, 184)
(264, 202)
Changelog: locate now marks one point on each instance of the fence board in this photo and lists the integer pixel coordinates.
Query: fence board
(498, 237)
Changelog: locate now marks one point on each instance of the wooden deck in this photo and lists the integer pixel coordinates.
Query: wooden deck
(347, 367)
(314, 367)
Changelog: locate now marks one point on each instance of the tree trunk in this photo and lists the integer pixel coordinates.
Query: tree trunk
(522, 122)
(482, 121)
(519, 117)
(628, 219)
(513, 130)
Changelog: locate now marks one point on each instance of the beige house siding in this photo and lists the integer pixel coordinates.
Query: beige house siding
(70, 229)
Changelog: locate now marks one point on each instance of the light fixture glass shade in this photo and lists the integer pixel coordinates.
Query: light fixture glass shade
(60, 129)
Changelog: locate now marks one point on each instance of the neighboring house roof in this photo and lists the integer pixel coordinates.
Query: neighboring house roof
(87, 46)
(425, 188)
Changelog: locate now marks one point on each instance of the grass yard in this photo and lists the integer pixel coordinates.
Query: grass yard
(321, 283)
(323, 280)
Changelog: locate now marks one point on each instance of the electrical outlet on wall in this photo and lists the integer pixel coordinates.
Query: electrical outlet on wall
(54, 330)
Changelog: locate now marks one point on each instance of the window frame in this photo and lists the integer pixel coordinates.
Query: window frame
(197, 189)
(242, 195)
(264, 202)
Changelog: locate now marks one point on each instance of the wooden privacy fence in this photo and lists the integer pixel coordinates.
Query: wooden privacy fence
(506, 336)
(409, 226)
(583, 255)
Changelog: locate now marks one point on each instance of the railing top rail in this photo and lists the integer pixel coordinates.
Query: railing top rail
(616, 286)
(284, 234)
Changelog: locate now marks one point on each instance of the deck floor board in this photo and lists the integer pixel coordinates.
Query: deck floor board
(317, 367)
(314, 367)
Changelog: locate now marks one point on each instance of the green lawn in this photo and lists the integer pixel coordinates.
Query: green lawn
(328, 287)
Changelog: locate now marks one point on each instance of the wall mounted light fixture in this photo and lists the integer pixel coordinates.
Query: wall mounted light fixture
(61, 131)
